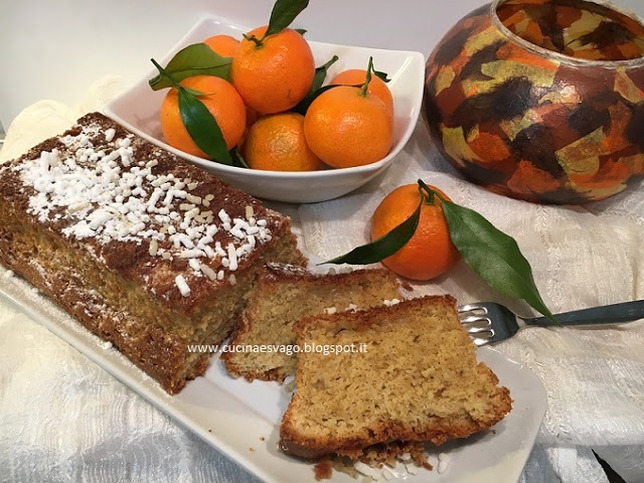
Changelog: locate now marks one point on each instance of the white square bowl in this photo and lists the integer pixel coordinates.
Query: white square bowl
(137, 109)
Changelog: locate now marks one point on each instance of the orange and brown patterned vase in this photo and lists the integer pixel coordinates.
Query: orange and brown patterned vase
(541, 100)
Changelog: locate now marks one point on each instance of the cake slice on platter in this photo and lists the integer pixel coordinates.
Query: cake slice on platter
(148, 252)
(415, 380)
(283, 295)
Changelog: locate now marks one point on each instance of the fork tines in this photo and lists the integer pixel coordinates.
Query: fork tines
(477, 325)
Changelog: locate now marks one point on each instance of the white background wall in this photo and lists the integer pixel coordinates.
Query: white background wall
(56, 49)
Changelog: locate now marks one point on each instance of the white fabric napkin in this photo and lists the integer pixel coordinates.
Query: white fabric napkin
(62, 418)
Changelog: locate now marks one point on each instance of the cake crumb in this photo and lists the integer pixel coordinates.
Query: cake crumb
(405, 457)
(324, 470)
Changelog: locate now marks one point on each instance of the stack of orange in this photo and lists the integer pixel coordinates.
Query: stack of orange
(269, 75)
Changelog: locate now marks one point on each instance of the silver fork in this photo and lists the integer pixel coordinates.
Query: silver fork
(489, 322)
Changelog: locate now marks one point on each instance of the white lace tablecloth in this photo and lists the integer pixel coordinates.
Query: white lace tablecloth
(64, 419)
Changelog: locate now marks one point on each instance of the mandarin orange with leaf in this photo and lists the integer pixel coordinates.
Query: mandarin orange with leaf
(377, 86)
(429, 253)
(220, 98)
(347, 126)
(272, 73)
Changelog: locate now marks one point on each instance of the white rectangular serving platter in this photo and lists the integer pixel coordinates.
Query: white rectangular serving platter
(241, 419)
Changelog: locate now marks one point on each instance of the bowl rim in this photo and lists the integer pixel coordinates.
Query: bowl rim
(544, 52)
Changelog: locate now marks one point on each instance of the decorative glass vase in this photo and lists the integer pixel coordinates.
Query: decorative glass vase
(541, 100)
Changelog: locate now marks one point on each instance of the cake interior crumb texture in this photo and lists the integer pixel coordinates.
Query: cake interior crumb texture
(148, 252)
(285, 294)
(418, 380)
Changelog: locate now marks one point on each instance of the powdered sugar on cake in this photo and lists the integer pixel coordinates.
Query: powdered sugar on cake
(105, 194)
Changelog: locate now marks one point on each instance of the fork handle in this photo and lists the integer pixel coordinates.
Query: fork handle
(608, 314)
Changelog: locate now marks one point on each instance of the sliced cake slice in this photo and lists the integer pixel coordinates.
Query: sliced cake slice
(416, 379)
(285, 294)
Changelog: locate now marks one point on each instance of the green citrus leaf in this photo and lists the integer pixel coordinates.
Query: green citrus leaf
(304, 104)
(321, 72)
(493, 255)
(316, 88)
(194, 92)
(385, 246)
(238, 159)
(383, 75)
(283, 14)
(195, 59)
(202, 127)
(365, 86)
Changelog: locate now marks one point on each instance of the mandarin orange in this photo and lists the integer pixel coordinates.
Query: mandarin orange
(345, 127)
(276, 142)
(272, 73)
(224, 45)
(377, 86)
(430, 252)
(220, 98)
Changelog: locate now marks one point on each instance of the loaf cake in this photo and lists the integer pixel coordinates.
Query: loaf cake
(283, 295)
(150, 253)
(417, 380)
